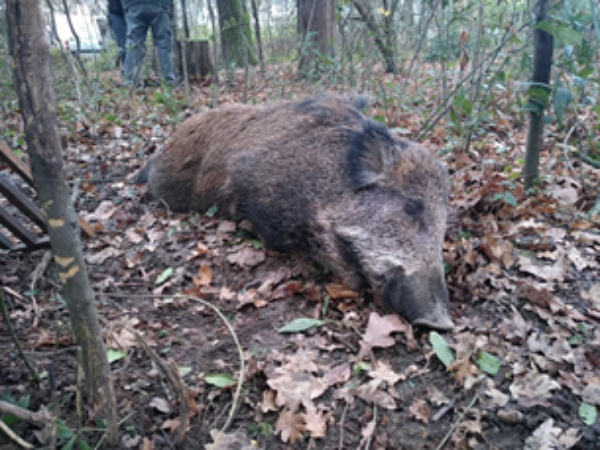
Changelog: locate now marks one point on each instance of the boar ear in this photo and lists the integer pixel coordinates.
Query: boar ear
(372, 150)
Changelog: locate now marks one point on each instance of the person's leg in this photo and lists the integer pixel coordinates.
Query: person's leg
(163, 41)
(119, 28)
(137, 30)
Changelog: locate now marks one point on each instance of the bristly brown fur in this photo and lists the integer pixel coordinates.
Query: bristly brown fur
(318, 176)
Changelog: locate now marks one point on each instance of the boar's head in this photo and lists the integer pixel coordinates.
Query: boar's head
(390, 230)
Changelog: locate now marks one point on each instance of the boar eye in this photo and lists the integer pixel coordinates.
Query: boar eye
(414, 207)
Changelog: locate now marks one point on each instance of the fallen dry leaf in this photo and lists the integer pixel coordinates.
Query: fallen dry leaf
(593, 295)
(385, 373)
(104, 211)
(436, 396)
(171, 424)
(498, 250)
(198, 251)
(290, 426)
(247, 257)
(161, 405)
(370, 393)
(495, 397)
(546, 272)
(337, 375)
(340, 291)
(100, 257)
(367, 432)
(148, 444)
(533, 389)
(251, 297)
(378, 332)
(549, 437)
(237, 440)
(463, 369)
(591, 394)
(540, 297)
(514, 327)
(205, 276)
(296, 388)
(269, 401)
(420, 411)
(316, 422)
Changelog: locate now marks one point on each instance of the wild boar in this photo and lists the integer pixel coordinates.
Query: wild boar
(319, 177)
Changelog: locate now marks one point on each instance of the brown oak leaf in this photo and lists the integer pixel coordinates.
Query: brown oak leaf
(420, 411)
(378, 332)
(290, 426)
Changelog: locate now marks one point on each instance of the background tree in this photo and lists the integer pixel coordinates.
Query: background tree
(316, 27)
(236, 34)
(256, 14)
(383, 32)
(539, 93)
(31, 61)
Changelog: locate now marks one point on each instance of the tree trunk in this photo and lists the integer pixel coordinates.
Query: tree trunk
(216, 84)
(387, 52)
(539, 94)
(77, 41)
(236, 35)
(184, 16)
(391, 31)
(255, 7)
(31, 62)
(316, 26)
(197, 59)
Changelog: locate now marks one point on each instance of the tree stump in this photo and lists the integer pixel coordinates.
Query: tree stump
(197, 58)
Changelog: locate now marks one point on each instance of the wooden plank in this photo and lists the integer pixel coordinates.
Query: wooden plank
(6, 243)
(21, 201)
(24, 171)
(15, 163)
(16, 228)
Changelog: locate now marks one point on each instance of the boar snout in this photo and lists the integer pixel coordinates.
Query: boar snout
(421, 297)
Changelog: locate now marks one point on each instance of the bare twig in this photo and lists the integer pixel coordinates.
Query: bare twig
(445, 105)
(40, 269)
(342, 420)
(15, 437)
(39, 419)
(566, 143)
(457, 423)
(370, 438)
(443, 410)
(171, 371)
(242, 370)
(417, 51)
(15, 339)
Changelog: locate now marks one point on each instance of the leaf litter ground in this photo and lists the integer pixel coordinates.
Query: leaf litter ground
(520, 370)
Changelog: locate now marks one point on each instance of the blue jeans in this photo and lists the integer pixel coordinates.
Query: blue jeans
(139, 19)
(119, 28)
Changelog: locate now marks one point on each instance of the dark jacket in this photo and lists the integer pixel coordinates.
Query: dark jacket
(167, 4)
(115, 7)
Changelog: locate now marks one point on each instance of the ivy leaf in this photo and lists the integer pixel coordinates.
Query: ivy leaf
(183, 371)
(487, 362)
(588, 413)
(164, 276)
(115, 355)
(562, 98)
(510, 199)
(220, 380)
(301, 324)
(441, 348)
(212, 211)
(566, 35)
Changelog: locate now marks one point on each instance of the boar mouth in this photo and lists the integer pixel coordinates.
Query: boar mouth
(420, 298)
(443, 323)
